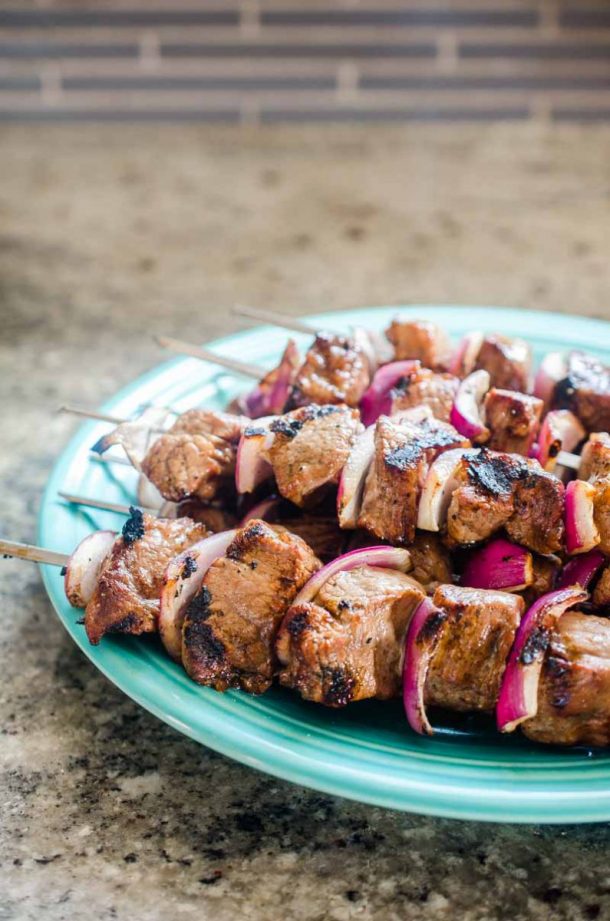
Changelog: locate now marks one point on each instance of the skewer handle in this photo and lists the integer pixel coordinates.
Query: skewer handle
(102, 504)
(90, 414)
(195, 351)
(274, 318)
(32, 553)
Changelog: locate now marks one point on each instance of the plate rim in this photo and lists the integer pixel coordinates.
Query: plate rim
(535, 806)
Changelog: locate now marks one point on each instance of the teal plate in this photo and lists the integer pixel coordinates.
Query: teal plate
(366, 752)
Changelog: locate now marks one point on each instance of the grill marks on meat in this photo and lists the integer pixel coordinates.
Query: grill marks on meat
(427, 388)
(513, 419)
(335, 370)
(346, 644)
(310, 448)
(196, 457)
(230, 626)
(467, 666)
(507, 361)
(420, 340)
(574, 690)
(403, 453)
(586, 391)
(501, 490)
(126, 598)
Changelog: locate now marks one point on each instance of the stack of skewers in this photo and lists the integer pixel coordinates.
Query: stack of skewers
(386, 515)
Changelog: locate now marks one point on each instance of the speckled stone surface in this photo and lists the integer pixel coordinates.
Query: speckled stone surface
(110, 234)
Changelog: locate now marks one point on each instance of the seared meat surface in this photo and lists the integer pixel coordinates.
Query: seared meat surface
(431, 562)
(420, 339)
(546, 569)
(574, 690)
(230, 626)
(126, 599)
(310, 449)
(322, 534)
(467, 666)
(347, 643)
(586, 391)
(507, 361)
(196, 457)
(335, 370)
(214, 518)
(424, 387)
(595, 467)
(505, 490)
(403, 453)
(601, 595)
(513, 420)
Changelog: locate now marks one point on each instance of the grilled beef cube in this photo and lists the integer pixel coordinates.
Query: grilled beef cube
(126, 598)
(506, 490)
(419, 339)
(322, 534)
(335, 370)
(403, 453)
(595, 458)
(214, 518)
(601, 594)
(423, 387)
(546, 569)
(586, 391)
(513, 420)
(230, 626)
(507, 361)
(466, 669)
(196, 457)
(574, 689)
(431, 563)
(347, 643)
(310, 449)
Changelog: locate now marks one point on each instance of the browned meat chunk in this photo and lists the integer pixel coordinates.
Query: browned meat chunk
(419, 339)
(214, 518)
(126, 599)
(403, 453)
(230, 626)
(595, 458)
(546, 570)
(335, 370)
(196, 457)
(574, 690)
(601, 595)
(424, 387)
(510, 491)
(513, 419)
(586, 391)
(469, 661)
(347, 643)
(431, 563)
(323, 535)
(310, 449)
(507, 361)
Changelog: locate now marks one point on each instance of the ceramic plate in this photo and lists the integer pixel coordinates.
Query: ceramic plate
(366, 752)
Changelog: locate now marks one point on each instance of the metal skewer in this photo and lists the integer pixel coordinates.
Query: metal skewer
(195, 351)
(32, 553)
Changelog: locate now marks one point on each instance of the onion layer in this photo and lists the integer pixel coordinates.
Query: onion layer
(269, 396)
(500, 565)
(265, 510)
(251, 466)
(440, 482)
(381, 556)
(465, 356)
(84, 567)
(467, 414)
(353, 476)
(377, 400)
(518, 698)
(421, 641)
(581, 531)
(561, 430)
(183, 579)
(553, 369)
(581, 570)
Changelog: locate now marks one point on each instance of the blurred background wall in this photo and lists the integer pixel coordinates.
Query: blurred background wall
(268, 61)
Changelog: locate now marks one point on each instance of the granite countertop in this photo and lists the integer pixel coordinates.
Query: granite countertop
(111, 234)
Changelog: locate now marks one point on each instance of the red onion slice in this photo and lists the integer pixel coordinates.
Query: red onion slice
(353, 476)
(377, 400)
(561, 430)
(422, 638)
(84, 567)
(467, 414)
(500, 565)
(553, 369)
(518, 698)
(136, 437)
(466, 354)
(440, 482)
(581, 570)
(582, 533)
(269, 397)
(381, 556)
(183, 579)
(266, 510)
(148, 495)
(251, 466)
